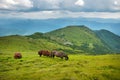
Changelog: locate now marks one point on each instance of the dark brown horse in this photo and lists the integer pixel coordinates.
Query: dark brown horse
(17, 55)
(44, 53)
(59, 54)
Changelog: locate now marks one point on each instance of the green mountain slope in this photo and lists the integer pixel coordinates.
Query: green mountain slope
(112, 40)
(26, 44)
(71, 39)
(80, 38)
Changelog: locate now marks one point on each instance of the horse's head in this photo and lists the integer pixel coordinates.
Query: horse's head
(66, 57)
(17, 55)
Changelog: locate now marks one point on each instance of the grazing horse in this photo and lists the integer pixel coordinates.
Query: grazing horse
(17, 55)
(59, 54)
(44, 53)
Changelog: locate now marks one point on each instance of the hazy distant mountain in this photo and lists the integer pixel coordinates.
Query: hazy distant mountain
(30, 26)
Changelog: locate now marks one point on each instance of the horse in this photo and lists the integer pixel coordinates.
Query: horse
(59, 54)
(44, 53)
(17, 55)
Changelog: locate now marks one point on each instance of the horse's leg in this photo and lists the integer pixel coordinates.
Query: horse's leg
(66, 58)
(61, 57)
(40, 55)
(53, 56)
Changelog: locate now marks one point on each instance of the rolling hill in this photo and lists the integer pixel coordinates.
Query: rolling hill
(80, 38)
(18, 43)
(71, 39)
(112, 40)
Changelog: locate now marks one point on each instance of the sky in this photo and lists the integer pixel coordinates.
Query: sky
(44, 9)
(56, 9)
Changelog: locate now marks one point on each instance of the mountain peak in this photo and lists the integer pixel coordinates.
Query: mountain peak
(104, 30)
(80, 36)
(36, 35)
(77, 26)
(72, 39)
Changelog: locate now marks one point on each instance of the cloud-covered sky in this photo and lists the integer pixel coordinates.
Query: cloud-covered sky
(46, 9)
(56, 10)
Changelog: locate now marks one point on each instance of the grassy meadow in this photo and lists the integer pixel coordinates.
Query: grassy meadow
(78, 67)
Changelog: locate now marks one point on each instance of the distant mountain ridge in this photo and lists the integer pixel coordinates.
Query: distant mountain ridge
(111, 39)
(30, 26)
(79, 38)
(71, 39)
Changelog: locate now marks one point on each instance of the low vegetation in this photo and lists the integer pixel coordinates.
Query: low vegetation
(79, 38)
(21, 44)
(70, 39)
(83, 46)
(78, 67)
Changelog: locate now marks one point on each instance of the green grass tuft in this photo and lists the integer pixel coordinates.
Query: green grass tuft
(78, 67)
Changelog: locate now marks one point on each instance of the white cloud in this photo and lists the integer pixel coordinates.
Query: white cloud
(11, 2)
(60, 14)
(115, 2)
(116, 5)
(15, 4)
(69, 5)
(102, 5)
(79, 3)
(44, 9)
(46, 4)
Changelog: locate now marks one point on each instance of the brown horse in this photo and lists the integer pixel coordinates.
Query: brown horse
(17, 55)
(44, 53)
(59, 54)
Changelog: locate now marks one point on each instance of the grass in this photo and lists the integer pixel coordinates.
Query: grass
(78, 67)
(21, 44)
